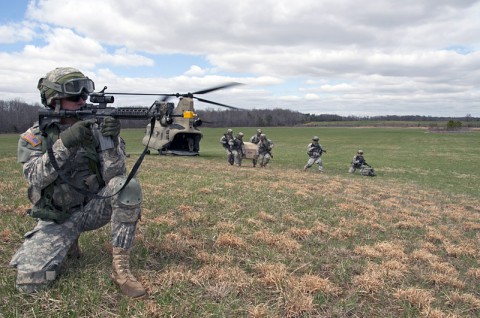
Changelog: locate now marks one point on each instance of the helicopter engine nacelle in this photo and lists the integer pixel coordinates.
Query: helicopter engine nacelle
(166, 120)
(197, 122)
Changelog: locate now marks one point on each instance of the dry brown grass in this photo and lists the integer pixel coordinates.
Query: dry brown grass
(347, 247)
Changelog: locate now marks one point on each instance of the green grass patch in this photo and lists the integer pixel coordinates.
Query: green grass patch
(222, 241)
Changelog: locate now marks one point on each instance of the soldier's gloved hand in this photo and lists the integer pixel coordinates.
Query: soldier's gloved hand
(110, 127)
(79, 134)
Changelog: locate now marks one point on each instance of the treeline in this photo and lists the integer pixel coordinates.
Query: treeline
(251, 118)
(333, 118)
(17, 116)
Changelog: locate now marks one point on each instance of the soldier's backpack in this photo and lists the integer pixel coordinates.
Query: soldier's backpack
(367, 171)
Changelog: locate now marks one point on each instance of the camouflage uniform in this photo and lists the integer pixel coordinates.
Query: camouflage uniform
(264, 149)
(314, 152)
(226, 140)
(238, 149)
(255, 139)
(63, 212)
(40, 258)
(357, 162)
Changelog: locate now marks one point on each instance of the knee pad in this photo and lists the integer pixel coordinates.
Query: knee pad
(126, 206)
(131, 194)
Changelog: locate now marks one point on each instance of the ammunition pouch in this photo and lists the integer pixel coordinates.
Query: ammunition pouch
(43, 208)
(48, 212)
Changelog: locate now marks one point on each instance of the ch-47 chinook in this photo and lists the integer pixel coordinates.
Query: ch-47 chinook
(176, 130)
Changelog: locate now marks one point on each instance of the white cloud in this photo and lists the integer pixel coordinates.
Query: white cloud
(195, 70)
(332, 55)
(16, 32)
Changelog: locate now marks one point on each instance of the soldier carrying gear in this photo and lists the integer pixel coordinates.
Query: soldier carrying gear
(314, 152)
(264, 150)
(226, 140)
(238, 149)
(68, 192)
(359, 162)
(255, 139)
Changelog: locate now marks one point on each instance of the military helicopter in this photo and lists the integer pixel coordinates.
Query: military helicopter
(176, 128)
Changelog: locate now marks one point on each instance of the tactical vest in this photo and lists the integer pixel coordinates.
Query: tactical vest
(312, 148)
(360, 161)
(59, 198)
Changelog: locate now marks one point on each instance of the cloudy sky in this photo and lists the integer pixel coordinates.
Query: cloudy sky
(346, 57)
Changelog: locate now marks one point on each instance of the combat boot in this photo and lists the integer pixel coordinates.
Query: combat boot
(122, 276)
(74, 251)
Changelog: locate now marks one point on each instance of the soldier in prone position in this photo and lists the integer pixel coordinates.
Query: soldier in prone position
(75, 170)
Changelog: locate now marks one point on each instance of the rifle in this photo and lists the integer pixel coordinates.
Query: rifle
(99, 111)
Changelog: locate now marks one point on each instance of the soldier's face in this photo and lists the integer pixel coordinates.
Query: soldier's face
(73, 103)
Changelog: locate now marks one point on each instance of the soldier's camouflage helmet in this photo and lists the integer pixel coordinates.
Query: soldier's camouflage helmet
(240, 135)
(64, 82)
(360, 152)
(259, 131)
(229, 131)
(263, 136)
(315, 138)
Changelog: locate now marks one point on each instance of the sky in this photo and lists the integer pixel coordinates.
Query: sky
(344, 57)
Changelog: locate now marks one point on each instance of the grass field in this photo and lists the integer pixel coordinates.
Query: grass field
(222, 241)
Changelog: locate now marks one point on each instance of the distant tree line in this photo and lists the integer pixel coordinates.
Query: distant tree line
(17, 116)
(332, 117)
(251, 118)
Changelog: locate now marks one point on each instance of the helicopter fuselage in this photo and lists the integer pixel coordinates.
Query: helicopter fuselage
(176, 131)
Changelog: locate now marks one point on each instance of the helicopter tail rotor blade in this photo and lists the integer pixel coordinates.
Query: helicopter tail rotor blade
(215, 103)
(208, 90)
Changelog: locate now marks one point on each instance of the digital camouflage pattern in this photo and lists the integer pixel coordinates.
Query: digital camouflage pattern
(357, 162)
(255, 139)
(40, 258)
(314, 152)
(59, 75)
(226, 141)
(237, 148)
(264, 150)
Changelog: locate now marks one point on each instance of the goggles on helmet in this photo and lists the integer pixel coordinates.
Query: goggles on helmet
(72, 87)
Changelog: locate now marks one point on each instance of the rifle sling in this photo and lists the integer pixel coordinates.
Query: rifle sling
(90, 194)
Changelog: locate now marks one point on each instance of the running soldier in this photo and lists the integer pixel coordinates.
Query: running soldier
(264, 150)
(226, 140)
(238, 149)
(314, 152)
(255, 139)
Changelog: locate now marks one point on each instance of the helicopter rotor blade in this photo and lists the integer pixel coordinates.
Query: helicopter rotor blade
(146, 94)
(208, 90)
(215, 103)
